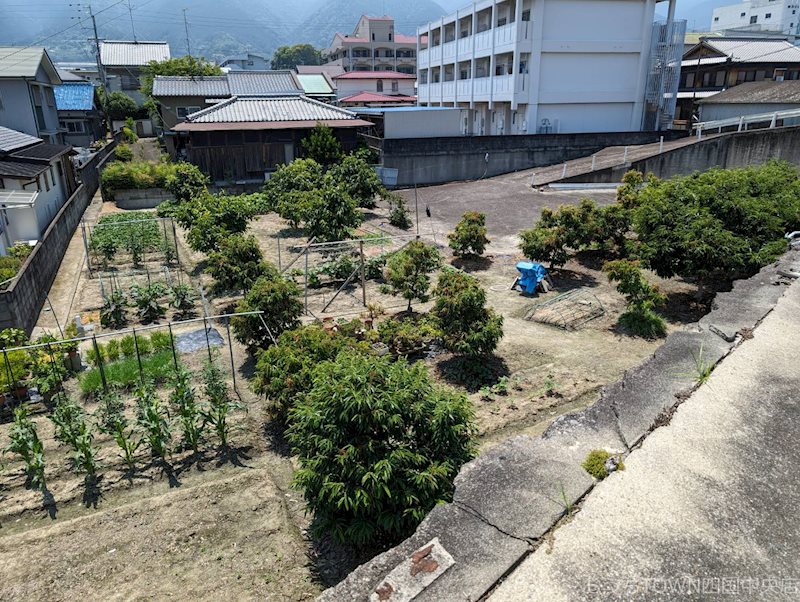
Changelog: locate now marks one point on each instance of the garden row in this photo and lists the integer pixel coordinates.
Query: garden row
(185, 422)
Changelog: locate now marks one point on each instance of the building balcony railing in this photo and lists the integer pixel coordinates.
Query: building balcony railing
(502, 39)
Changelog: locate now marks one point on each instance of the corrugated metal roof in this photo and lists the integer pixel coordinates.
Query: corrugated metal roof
(18, 169)
(118, 53)
(17, 61)
(173, 85)
(375, 75)
(756, 51)
(314, 83)
(74, 96)
(759, 92)
(45, 152)
(266, 109)
(260, 83)
(11, 140)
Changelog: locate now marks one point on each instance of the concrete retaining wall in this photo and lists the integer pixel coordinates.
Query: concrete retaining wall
(149, 198)
(439, 160)
(21, 303)
(508, 499)
(738, 149)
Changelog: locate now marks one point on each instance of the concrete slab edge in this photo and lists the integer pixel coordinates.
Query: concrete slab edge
(554, 457)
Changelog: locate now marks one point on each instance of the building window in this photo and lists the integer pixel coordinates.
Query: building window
(1, 102)
(129, 82)
(184, 112)
(526, 15)
(395, 87)
(380, 85)
(689, 83)
(390, 36)
(373, 37)
(502, 21)
(716, 19)
(720, 81)
(743, 15)
(73, 127)
(753, 20)
(768, 16)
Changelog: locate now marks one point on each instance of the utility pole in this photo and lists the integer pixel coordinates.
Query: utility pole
(186, 27)
(101, 70)
(133, 27)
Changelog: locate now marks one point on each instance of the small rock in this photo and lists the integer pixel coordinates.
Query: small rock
(612, 464)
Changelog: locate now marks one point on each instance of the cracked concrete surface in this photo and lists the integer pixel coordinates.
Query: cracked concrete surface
(707, 508)
(507, 500)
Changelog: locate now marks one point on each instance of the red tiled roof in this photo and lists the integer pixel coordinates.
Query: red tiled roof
(404, 39)
(375, 97)
(375, 75)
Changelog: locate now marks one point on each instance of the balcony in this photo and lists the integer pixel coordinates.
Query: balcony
(435, 55)
(465, 46)
(449, 50)
(422, 59)
(483, 41)
(448, 90)
(464, 88)
(483, 88)
(504, 37)
(503, 87)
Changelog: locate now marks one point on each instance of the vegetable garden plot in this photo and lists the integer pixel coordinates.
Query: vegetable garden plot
(344, 277)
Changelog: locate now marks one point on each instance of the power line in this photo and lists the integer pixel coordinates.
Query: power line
(186, 26)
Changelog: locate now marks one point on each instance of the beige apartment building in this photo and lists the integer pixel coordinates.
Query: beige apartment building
(374, 45)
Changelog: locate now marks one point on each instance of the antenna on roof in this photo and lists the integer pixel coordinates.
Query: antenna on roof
(133, 28)
(186, 26)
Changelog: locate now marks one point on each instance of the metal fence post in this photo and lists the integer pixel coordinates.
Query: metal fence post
(208, 341)
(564, 171)
(100, 362)
(594, 161)
(363, 274)
(230, 351)
(172, 345)
(661, 145)
(138, 355)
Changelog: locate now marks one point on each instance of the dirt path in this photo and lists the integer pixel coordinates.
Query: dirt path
(64, 287)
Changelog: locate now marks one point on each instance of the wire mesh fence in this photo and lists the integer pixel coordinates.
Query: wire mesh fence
(343, 277)
(122, 360)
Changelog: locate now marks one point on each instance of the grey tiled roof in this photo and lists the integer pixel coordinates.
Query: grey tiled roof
(173, 85)
(132, 54)
(787, 92)
(11, 140)
(18, 169)
(278, 109)
(260, 83)
(756, 51)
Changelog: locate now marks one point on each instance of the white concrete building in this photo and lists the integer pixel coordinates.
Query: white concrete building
(758, 16)
(550, 66)
(374, 45)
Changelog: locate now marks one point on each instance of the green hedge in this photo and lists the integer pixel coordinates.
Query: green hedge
(135, 175)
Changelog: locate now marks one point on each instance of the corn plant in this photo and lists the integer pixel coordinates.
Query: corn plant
(189, 414)
(25, 443)
(111, 420)
(220, 403)
(84, 457)
(66, 417)
(153, 421)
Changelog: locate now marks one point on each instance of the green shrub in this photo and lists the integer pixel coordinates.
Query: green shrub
(237, 264)
(112, 350)
(160, 341)
(641, 298)
(408, 335)
(286, 188)
(279, 299)
(358, 179)
(322, 146)
(284, 371)
(21, 250)
(595, 464)
(9, 266)
(399, 216)
(186, 182)
(379, 446)
(212, 218)
(545, 242)
(127, 346)
(123, 153)
(408, 271)
(468, 326)
(330, 214)
(135, 175)
(469, 238)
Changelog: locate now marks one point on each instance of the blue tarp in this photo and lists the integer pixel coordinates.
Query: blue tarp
(531, 274)
(78, 96)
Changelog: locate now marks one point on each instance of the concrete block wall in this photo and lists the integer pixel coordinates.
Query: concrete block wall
(21, 304)
(737, 149)
(439, 160)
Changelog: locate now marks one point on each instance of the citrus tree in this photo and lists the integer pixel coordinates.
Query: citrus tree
(279, 299)
(469, 238)
(408, 271)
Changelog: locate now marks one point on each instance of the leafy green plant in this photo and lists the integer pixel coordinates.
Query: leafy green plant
(469, 238)
(127, 346)
(408, 335)
(408, 271)
(25, 443)
(379, 446)
(123, 153)
(279, 299)
(322, 146)
(186, 182)
(546, 241)
(330, 214)
(237, 263)
(113, 313)
(595, 464)
(182, 298)
(399, 215)
(220, 404)
(641, 298)
(284, 371)
(211, 218)
(153, 421)
(112, 421)
(359, 180)
(161, 341)
(66, 418)
(84, 457)
(147, 303)
(189, 415)
(124, 374)
(112, 350)
(468, 326)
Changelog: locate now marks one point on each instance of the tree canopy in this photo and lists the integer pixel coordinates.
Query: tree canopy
(379, 446)
(186, 65)
(288, 57)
